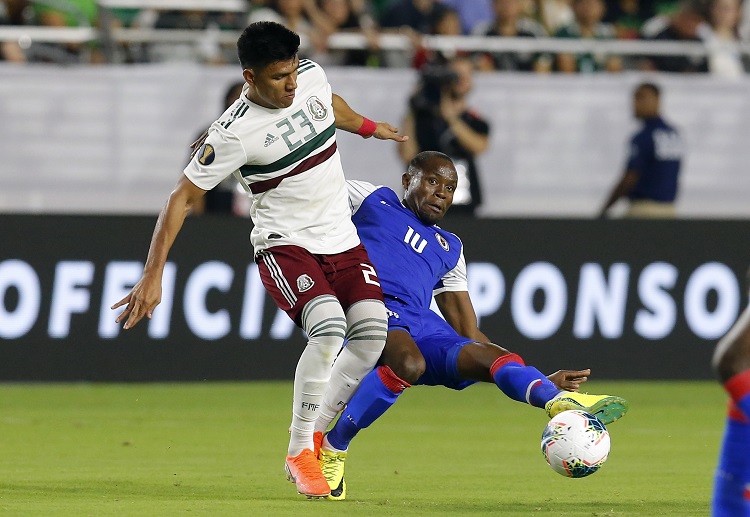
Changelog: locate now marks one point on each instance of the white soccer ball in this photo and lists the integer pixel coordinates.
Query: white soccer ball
(575, 443)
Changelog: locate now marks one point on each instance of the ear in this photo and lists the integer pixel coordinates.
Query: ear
(249, 76)
(405, 180)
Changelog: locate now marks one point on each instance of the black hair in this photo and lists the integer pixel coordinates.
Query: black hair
(650, 86)
(438, 14)
(417, 164)
(263, 43)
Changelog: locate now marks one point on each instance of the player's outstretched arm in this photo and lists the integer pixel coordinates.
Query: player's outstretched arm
(569, 380)
(146, 294)
(351, 121)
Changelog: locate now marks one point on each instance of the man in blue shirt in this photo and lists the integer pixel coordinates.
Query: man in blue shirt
(651, 175)
(416, 259)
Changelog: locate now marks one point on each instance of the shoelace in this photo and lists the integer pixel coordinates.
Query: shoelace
(307, 464)
(331, 466)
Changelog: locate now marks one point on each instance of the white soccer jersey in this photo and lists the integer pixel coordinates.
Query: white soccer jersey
(288, 162)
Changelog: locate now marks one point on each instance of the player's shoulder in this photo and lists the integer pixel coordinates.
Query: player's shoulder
(309, 70)
(307, 64)
(643, 135)
(667, 125)
(363, 190)
(449, 235)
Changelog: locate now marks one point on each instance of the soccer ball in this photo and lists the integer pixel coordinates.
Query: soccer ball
(575, 443)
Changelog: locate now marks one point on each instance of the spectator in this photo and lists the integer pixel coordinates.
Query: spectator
(411, 14)
(9, 50)
(444, 21)
(553, 14)
(588, 24)
(627, 17)
(72, 13)
(412, 18)
(225, 198)
(263, 10)
(303, 17)
(439, 120)
(651, 175)
(350, 16)
(472, 14)
(510, 22)
(686, 24)
(205, 50)
(722, 40)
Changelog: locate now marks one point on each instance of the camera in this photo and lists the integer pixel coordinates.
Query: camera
(434, 79)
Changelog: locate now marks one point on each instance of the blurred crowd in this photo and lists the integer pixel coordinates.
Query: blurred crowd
(723, 26)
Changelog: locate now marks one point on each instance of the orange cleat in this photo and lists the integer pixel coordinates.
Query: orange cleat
(304, 471)
(317, 442)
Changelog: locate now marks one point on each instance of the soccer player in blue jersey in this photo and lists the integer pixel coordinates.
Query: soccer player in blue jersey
(650, 180)
(415, 259)
(731, 362)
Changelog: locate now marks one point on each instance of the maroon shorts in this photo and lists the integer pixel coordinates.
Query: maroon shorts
(293, 276)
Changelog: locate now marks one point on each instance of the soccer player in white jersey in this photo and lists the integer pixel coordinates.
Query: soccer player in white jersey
(278, 139)
(415, 259)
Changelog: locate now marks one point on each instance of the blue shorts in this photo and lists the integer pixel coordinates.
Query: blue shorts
(438, 342)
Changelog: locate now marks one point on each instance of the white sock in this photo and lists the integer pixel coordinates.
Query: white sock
(368, 328)
(324, 321)
(327, 446)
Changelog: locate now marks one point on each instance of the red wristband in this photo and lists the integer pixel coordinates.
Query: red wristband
(367, 128)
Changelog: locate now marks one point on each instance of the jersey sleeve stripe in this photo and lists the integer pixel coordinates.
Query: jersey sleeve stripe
(292, 157)
(305, 165)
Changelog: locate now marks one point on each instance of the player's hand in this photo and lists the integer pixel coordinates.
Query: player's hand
(141, 301)
(569, 380)
(385, 131)
(198, 143)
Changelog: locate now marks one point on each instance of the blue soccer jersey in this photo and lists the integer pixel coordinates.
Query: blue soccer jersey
(655, 154)
(413, 260)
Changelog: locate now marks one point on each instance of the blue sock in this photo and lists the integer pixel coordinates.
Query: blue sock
(744, 405)
(731, 497)
(738, 388)
(522, 383)
(378, 391)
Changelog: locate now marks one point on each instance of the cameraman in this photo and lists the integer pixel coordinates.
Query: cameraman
(439, 120)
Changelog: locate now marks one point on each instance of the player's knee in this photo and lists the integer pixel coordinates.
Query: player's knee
(730, 357)
(409, 367)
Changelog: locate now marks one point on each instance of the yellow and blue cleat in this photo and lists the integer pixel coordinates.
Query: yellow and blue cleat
(332, 465)
(605, 407)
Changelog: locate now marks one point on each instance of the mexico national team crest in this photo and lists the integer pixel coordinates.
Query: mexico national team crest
(316, 108)
(206, 154)
(304, 283)
(443, 242)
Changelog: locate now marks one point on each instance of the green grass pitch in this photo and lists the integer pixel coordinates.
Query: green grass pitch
(218, 448)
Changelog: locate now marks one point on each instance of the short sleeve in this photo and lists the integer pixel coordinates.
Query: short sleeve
(220, 155)
(358, 191)
(455, 279)
(637, 154)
